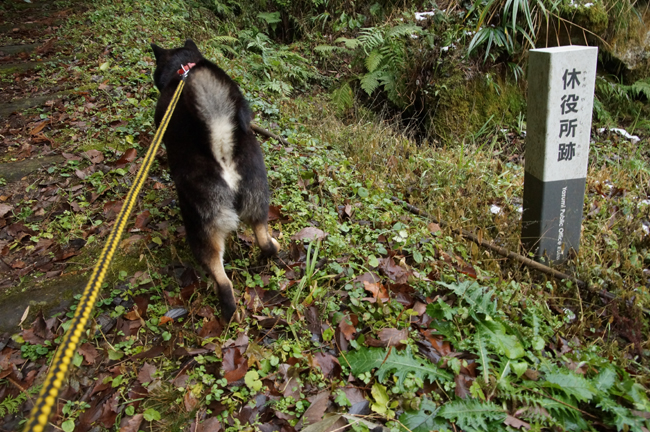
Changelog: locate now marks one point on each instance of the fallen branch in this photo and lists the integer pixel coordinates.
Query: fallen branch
(262, 131)
(511, 255)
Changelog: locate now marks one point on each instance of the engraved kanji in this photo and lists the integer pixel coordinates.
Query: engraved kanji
(566, 151)
(571, 78)
(569, 104)
(568, 127)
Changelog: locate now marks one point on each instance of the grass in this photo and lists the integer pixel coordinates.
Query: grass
(502, 345)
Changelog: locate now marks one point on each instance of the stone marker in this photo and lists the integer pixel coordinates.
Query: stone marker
(560, 100)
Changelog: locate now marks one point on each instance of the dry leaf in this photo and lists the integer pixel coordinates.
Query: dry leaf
(309, 233)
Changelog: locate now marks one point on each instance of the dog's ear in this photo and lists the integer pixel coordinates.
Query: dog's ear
(189, 44)
(157, 51)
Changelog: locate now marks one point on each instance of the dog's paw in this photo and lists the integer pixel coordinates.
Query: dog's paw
(276, 245)
(270, 248)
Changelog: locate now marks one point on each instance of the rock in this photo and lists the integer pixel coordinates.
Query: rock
(12, 171)
(629, 57)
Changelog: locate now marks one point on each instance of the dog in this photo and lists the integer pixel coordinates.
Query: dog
(214, 159)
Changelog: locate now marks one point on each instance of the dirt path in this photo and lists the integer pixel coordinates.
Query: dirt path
(30, 48)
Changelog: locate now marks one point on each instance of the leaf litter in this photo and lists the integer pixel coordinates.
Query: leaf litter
(419, 353)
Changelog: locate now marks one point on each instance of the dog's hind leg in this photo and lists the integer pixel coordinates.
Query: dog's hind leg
(267, 243)
(214, 264)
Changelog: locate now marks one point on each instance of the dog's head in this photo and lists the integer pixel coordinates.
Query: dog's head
(168, 61)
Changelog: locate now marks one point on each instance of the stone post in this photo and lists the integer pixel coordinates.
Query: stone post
(560, 100)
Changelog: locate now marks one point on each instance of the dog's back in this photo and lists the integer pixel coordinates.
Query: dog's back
(214, 159)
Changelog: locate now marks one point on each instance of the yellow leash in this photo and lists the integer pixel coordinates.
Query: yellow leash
(47, 397)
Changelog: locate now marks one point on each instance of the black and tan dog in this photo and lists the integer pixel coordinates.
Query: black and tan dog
(214, 159)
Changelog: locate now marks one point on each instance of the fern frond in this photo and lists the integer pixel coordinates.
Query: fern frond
(483, 356)
(224, 39)
(342, 97)
(571, 385)
(471, 414)
(373, 60)
(10, 405)
(370, 82)
(270, 17)
(326, 49)
(370, 38)
(640, 88)
(349, 43)
(394, 55)
(403, 29)
(397, 364)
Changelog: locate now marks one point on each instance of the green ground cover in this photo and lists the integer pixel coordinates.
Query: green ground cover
(371, 317)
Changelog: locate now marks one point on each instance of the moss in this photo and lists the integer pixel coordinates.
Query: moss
(465, 107)
(57, 294)
(592, 14)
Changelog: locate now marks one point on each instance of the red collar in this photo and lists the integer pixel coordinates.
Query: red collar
(185, 69)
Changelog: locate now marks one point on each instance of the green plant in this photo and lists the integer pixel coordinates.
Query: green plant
(383, 51)
(35, 351)
(72, 410)
(310, 272)
(11, 405)
(497, 25)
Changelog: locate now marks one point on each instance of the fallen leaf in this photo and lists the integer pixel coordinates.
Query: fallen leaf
(95, 156)
(392, 270)
(433, 227)
(24, 317)
(309, 233)
(70, 156)
(327, 424)
(440, 345)
(392, 337)
(463, 383)
(164, 320)
(515, 422)
(531, 374)
(377, 289)
(212, 328)
(142, 220)
(127, 243)
(234, 364)
(314, 413)
(5, 208)
(39, 127)
(153, 352)
(129, 156)
(209, 425)
(329, 364)
(354, 395)
(145, 374)
(275, 213)
(131, 424)
(112, 208)
(190, 401)
(291, 386)
(89, 352)
(347, 327)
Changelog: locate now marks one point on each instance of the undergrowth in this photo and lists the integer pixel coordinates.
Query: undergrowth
(425, 330)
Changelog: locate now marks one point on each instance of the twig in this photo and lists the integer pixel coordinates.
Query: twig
(511, 255)
(561, 402)
(262, 131)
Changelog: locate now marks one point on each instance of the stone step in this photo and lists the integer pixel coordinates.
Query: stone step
(55, 296)
(9, 27)
(17, 49)
(9, 68)
(23, 104)
(14, 171)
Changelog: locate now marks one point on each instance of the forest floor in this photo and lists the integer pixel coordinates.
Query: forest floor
(371, 318)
